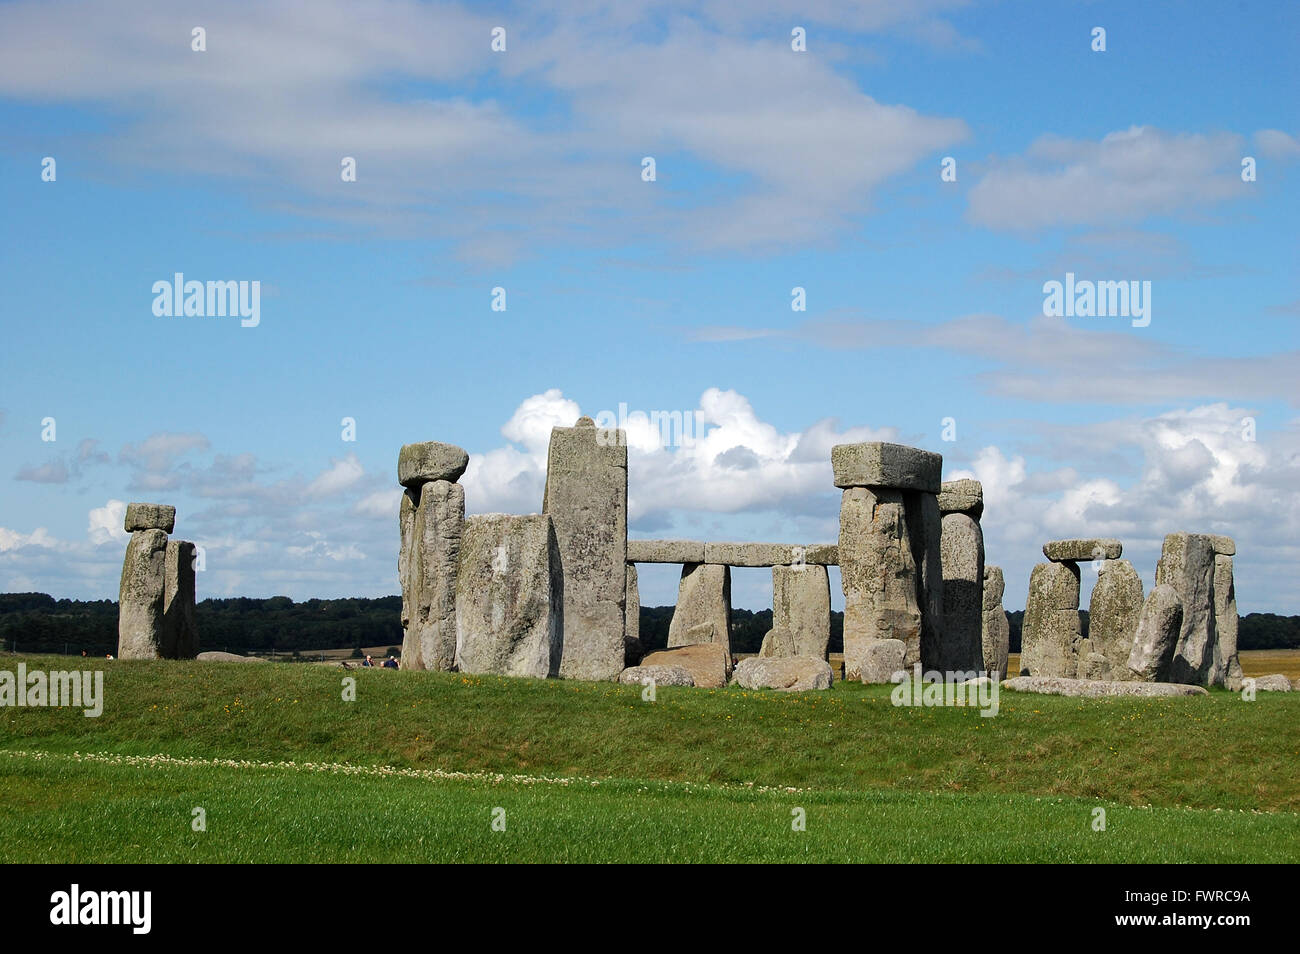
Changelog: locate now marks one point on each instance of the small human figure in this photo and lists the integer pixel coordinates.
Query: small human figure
(390, 663)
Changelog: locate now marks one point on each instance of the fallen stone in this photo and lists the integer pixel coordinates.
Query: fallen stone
(1074, 551)
(962, 496)
(1113, 614)
(509, 612)
(884, 465)
(140, 596)
(879, 575)
(707, 663)
(180, 638)
(791, 674)
(632, 648)
(778, 643)
(431, 460)
(1052, 628)
(658, 675)
(229, 657)
(961, 640)
(703, 611)
(148, 516)
(1276, 682)
(1187, 564)
(665, 551)
(880, 660)
(586, 497)
(1089, 688)
(1156, 636)
(801, 606)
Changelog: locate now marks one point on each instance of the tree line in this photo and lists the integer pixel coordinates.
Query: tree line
(36, 622)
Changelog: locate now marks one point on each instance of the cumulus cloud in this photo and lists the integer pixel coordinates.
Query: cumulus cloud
(343, 473)
(107, 524)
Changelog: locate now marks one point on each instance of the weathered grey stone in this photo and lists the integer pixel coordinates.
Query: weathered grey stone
(925, 534)
(751, 554)
(406, 562)
(658, 675)
(879, 576)
(789, 674)
(1113, 614)
(1225, 620)
(140, 596)
(703, 599)
(1094, 666)
(430, 460)
(180, 638)
(632, 648)
(778, 643)
(995, 632)
(1156, 636)
(801, 605)
(149, 516)
(1187, 564)
(708, 663)
(995, 585)
(1276, 682)
(509, 597)
(434, 544)
(1086, 550)
(1223, 546)
(962, 496)
(1086, 688)
(586, 496)
(665, 551)
(961, 641)
(881, 659)
(892, 466)
(823, 554)
(1052, 629)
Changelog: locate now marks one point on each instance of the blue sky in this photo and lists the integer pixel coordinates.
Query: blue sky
(522, 170)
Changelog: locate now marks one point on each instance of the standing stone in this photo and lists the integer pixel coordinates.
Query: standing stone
(1225, 618)
(1187, 564)
(882, 660)
(1052, 627)
(509, 597)
(1113, 615)
(995, 636)
(180, 634)
(1156, 636)
(925, 532)
(140, 596)
(435, 541)
(586, 497)
(801, 606)
(632, 648)
(961, 642)
(407, 564)
(703, 611)
(879, 575)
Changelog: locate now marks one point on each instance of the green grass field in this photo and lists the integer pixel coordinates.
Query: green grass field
(286, 770)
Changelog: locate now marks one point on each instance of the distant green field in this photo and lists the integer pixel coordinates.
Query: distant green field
(405, 772)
